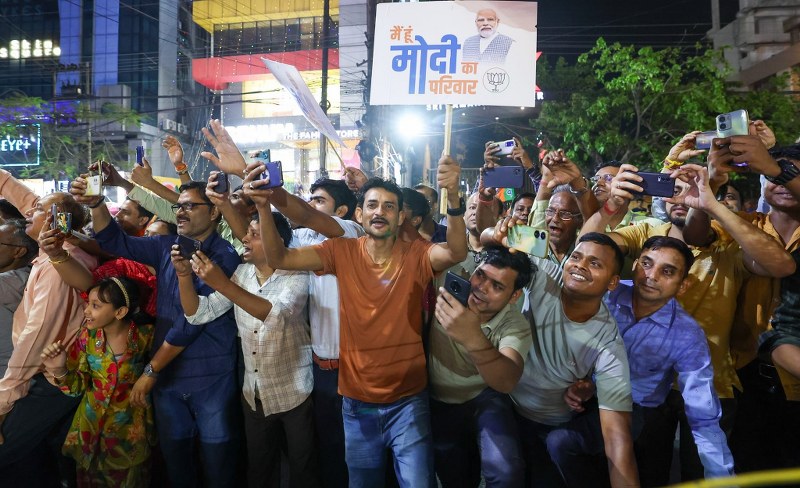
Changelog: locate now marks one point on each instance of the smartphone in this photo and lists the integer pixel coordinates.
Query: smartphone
(54, 216)
(275, 172)
(458, 287)
(505, 147)
(703, 139)
(736, 123)
(94, 183)
(140, 155)
(263, 156)
(61, 220)
(656, 185)
(188, 246)
(503, 177)
(529, 240)
(222, 183)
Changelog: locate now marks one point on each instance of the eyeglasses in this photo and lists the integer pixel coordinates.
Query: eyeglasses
(596, 179)
(189, 206)
(562, 214)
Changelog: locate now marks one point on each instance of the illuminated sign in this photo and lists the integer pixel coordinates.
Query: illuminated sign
(20, 146)
(262, 133)
(22, 49)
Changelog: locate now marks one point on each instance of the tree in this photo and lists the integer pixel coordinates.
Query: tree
(632, 104)
(72, 133)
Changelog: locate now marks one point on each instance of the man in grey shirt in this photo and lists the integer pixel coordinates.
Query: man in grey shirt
(574, 338)
(16, 252)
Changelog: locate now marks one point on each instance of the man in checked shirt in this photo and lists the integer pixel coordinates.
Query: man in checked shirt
(269, 306)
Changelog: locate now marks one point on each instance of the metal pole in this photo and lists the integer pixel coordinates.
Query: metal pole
(326, 26)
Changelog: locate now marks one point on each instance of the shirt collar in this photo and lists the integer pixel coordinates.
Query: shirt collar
(664, 316)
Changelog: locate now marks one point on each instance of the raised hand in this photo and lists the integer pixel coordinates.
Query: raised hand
(751, 150)
(520, 155)
(251, 186)
(685, 148)
(561, 170)
(698, 194)
(448, 175)
(142, 175)
(207, 271)
(354, 178)
(218, 199)
(183, 267)
(228, 158)
(174, 150)
(761, 129)
(51, 241)
(623, 186)
(78, 190)
(54, 358)
(490, 160)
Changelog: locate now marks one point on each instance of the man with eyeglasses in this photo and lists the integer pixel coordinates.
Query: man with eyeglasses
(601, 187)
(192, 371)
(727, 252)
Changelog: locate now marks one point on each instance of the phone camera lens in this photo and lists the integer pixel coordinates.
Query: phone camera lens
(721, 118)
(455, 287)
(536, 234)
(723, 126)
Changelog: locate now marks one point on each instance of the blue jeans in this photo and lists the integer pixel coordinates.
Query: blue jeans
(329, 426)
(211, 415)
(370, 429)
(489, 420)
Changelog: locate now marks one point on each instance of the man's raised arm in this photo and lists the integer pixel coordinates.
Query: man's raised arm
(445, 255)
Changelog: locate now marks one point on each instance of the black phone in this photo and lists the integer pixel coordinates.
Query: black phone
(188, 246)
(503, 177)
(458, 287)
(275, 172)
(656, 185)
(222, 183)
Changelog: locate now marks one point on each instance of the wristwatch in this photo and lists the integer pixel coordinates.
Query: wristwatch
(788, 172)
(583, 190)
(148, 371)
(458, 211)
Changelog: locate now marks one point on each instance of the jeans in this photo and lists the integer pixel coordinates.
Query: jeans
(209, 414)
(402, 427)
(264, 439)
(489, 420)
(330, 427)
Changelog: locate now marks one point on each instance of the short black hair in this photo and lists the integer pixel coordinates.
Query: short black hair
(416, 201)
(501, 257)
(143, 212)
(171, 228)
(605, 240)
(9, 211)
(658, 242)
(792, 151)
(281, 223)
(387, 185)
(120, 290)
(341, 194)
(519, 197)
(200, 186)
(423, 186)
(606, 164)
(20, 238)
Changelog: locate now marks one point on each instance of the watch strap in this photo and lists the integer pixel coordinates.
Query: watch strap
(788, 172)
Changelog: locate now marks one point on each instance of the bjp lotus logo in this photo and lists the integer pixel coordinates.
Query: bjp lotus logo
(496, 80)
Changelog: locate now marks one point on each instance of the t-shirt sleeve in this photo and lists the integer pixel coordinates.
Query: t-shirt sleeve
(517, 335)
(327, 254)
(633, 237)
(612, 377)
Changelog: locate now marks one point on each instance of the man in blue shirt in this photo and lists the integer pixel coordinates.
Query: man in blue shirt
(193, 367)
(663, 340)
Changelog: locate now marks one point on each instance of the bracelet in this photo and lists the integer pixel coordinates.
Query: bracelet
(61, 261)
(607, 210)
(672, 164)
(102, 201)
(583, 190)
(59, 377)
(488, 203)
(183, 172)
(181, 167)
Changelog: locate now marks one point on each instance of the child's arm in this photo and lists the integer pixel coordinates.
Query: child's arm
(67, 371)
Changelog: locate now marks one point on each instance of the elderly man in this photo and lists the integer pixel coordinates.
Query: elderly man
(488, 45)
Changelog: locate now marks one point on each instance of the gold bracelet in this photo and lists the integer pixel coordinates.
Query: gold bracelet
(62, 376)
(61, 261)
(672, 164)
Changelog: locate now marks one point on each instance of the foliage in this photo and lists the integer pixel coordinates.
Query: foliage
(632, 104)
(73, 133)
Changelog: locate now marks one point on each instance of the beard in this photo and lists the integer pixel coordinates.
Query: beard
(678, 222)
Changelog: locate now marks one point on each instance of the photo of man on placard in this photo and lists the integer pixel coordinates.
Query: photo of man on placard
(488, 45)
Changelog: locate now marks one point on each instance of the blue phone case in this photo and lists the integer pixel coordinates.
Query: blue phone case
(275, 172)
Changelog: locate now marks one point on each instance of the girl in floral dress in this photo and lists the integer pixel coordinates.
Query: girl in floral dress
(109, 438)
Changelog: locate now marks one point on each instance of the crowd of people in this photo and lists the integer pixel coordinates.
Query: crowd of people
(250, 337)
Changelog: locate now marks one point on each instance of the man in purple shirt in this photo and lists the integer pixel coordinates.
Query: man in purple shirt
(662, 340)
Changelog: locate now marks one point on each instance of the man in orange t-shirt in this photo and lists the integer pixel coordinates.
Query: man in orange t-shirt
(381, 278)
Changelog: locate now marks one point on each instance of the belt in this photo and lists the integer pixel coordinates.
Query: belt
(327, 364)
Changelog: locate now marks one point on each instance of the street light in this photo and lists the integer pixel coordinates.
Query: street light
(409, 125)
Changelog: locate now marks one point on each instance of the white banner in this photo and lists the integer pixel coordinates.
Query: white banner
(288, 76)
(479, 53)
